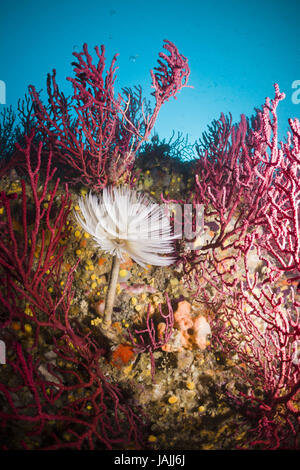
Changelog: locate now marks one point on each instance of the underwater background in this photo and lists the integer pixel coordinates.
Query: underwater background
(198, 354)
(236, 51)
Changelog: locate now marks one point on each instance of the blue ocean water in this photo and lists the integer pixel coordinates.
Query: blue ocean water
(236, 51)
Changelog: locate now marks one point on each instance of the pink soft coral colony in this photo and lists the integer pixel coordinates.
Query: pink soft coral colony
(245, 273)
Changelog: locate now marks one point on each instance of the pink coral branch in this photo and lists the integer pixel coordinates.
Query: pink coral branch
(249, 185)
(95, 133)
(37, 400)
(145, 340)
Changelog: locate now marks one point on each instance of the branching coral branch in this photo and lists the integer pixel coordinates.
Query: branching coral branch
(147, 340)
(249, 185)
(59, 398)
(95, 133)
(30, 248)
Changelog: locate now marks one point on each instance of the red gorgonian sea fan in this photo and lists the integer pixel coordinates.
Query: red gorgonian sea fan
(95, 134)
(53, 393)
(247, 267)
